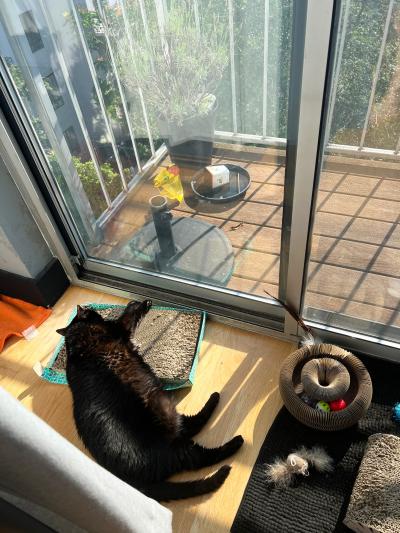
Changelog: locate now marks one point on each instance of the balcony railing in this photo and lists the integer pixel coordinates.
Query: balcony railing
(264, 137)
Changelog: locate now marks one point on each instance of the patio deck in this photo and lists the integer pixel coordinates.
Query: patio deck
(355, 254)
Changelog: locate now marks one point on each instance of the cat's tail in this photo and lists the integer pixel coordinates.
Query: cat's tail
(177, 490)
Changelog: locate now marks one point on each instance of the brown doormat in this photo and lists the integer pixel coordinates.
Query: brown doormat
(168, 338)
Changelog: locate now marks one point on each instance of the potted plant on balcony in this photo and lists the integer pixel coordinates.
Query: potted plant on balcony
(177, 66)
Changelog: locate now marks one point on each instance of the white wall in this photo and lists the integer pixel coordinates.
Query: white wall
(23, 250)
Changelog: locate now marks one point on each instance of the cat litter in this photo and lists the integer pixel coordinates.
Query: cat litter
(168, 338)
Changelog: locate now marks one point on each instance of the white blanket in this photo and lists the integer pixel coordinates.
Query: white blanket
(50, 479)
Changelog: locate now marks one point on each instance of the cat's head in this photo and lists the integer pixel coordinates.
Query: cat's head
(122, 326)
(84, 315)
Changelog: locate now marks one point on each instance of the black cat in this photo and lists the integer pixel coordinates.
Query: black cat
(123, 416)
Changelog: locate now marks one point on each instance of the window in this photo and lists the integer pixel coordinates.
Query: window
(353, 276)
(31, 31)
(53, 91)
(245, 90)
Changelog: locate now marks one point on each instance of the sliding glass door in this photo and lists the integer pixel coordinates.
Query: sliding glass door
(219, 153)
(164, 126)
(353, 276)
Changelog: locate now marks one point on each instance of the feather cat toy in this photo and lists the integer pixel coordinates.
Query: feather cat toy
(282, 472)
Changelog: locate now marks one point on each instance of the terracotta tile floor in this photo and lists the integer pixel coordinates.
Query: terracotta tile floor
(355, 258)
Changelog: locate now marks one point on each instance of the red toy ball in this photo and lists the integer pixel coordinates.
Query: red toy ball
(337, 405)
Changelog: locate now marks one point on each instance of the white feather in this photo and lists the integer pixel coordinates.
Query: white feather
(307, 340)
(279, 473)
(317, 457)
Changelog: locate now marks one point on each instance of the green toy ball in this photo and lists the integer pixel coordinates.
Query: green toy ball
(323, 406)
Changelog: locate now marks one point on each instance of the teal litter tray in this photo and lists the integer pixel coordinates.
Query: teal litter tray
(169, 340)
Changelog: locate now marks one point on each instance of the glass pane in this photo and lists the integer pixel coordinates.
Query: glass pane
(31, 31)
(165, 126)
(353, 280)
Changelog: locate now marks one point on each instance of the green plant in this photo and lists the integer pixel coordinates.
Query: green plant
(90, 181)
(178, 67)
(18, 77)
(362, 45)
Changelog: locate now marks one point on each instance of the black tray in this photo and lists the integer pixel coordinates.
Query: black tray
(239, 182)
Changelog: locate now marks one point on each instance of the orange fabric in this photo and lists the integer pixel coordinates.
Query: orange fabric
(16, 316)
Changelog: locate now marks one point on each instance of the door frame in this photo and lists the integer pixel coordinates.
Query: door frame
(315, 25)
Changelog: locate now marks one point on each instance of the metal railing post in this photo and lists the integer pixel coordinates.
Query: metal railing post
(332, 100)
(120, 89)
(376, 74)
(148, 39)
(397, 149)
(75, 103)
(99, 93)
(265, 68)
(233, 69)
(196, 15)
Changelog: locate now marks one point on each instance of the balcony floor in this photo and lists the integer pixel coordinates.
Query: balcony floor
(355, 253)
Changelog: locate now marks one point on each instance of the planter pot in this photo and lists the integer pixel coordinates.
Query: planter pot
(190, 144)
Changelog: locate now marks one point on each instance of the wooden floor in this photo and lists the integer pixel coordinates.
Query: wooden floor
(356, 240)
(242, 366)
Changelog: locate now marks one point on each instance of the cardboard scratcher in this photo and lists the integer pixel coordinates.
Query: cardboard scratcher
(168, 338)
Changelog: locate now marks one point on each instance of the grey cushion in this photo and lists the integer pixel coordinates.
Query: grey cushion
(375, 500)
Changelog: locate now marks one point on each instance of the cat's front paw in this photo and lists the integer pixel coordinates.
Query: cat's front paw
(145, 307)
(147, 304)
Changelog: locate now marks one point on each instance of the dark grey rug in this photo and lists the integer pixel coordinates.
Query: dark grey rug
(316, 504)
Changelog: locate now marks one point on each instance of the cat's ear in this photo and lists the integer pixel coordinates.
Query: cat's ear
(62, 331)
(81, 312)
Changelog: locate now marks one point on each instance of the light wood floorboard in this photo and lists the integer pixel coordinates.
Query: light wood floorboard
(242, 366)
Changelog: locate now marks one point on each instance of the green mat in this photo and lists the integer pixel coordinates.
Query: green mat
(169, 341)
